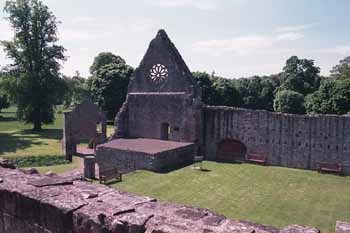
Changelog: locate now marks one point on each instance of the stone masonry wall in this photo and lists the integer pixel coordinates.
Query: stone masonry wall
(148, 111)
(297, 141)
(127, 161)
(42, 204)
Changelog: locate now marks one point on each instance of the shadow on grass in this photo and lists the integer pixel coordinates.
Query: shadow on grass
(45, 133)
(7, 119)
(19, 140)
(10, 142)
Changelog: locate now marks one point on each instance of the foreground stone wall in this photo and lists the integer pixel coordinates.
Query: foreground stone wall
(42, 204)
(297, 141)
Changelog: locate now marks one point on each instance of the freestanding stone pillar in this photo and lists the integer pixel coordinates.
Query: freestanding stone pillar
(89, 167)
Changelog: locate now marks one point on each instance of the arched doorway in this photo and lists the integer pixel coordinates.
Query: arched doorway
(164, 131)
(231, 151)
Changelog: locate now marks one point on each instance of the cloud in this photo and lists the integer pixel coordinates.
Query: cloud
(83, 19)
(296, 28)
(290, 36)
(5, 30)
(199, 4)
(341, 50)
(68, 34)
(238, 45)
(142, 25)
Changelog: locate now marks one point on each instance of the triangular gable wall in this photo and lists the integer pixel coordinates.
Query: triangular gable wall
(162, 69)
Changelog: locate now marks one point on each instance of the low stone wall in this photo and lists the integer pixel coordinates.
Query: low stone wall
(127, 161)
(42, 204)
(296, 141)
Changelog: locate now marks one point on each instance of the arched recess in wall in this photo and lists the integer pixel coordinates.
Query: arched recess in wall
(230, 150)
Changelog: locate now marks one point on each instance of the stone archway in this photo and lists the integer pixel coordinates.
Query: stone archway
(230, 150)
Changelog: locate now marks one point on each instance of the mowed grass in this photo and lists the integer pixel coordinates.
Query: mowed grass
(17, 139)
(267, 195)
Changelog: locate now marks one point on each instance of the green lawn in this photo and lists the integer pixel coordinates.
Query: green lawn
(267, 195)
(17, 139)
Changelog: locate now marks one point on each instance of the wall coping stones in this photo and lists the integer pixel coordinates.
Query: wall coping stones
(227, 108)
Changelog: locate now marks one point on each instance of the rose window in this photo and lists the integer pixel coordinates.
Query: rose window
(158, 74)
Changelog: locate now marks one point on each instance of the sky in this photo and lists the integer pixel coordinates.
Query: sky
(234, 38)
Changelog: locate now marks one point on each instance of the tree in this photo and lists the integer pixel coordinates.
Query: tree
(257, 92)
(36, 57)
(104, 59)
(333, 97)
(217, 90)
(301, 75)
(77, 90)
(289, 102)
(342, 70)
(205, 83)
(226, 94)
(4, 103)
(109, 83)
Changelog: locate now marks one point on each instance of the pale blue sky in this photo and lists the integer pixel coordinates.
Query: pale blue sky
(233, 37)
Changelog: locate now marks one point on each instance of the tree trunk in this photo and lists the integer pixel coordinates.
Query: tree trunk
(37, 120)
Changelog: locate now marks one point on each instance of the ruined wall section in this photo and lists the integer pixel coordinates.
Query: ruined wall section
(297, 141)
(79, 124)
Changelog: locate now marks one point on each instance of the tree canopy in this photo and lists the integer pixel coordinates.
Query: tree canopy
(300, 75)
(333, 97)
(35, 55)
(287, 101)
(342, 70)
(109, 82)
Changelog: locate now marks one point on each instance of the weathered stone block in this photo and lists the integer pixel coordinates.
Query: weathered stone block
(342, 227)
(89, 167)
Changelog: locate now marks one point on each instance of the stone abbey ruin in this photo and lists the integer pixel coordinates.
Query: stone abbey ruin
(163, 111)
(161, 126)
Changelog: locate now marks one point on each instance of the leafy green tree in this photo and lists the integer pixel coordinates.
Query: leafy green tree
(301, 75)
(4, 102)
(109, 83)
(342, 70)
(205, 83)
(333, 97)
(103, 59)
(217, 90)
(226, 94)
(289, 102)
(36, 57)
(77, 90)
(257, 92)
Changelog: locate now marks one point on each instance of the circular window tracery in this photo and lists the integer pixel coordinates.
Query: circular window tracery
(158, 74)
